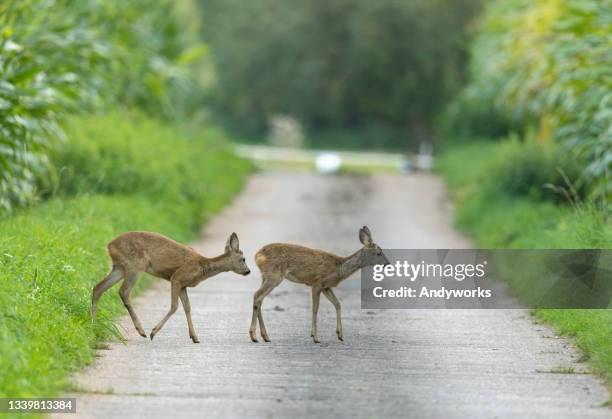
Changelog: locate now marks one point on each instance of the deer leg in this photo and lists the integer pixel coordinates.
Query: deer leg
(332, 298)
(256, 305)
(101, 287)
(174, 298)
(316, 296)
(262, 326)
(269, 282)
(187, 307)
(124, 293)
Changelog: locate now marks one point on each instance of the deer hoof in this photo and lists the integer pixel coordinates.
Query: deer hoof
(142, 333)
(265, 338)
(340, 338)
(195, 339)
(315, 339)
(253, 337)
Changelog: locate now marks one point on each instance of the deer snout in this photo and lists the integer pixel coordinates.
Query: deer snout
(247, 272)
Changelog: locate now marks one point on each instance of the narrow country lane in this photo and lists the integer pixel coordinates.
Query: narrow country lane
(393, 363)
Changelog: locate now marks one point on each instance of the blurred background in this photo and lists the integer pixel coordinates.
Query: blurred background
(400, 76)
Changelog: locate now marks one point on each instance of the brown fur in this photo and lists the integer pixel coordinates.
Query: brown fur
(140, 251)
(317, 269)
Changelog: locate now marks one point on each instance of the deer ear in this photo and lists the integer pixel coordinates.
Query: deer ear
(365, 237)
(232, 243)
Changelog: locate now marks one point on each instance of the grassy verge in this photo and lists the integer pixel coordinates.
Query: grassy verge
(496, 217)
(115, 173)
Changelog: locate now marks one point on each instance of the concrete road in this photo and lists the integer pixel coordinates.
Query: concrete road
(393, 363)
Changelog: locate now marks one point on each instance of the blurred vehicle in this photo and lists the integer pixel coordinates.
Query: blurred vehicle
(407, 166)
(328, 163)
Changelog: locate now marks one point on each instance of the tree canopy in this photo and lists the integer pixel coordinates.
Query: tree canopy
(342, 64)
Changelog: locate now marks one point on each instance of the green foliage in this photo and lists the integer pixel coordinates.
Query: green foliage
(60, 57)
(545, 64)
(113, 154)
(497, 219)
(535, 170)
(370, 137)
(470, 115)
(48, 61)
(527, 169)
(52, 254)
(338, 65)
(157, 52)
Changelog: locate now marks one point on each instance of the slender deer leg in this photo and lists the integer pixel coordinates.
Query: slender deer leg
(101, 287)
(124, 293)
(253, 328)
(269, 282)
(316, 296)
(187, 307)
(262, 326)
(332, 298)
(176, 289)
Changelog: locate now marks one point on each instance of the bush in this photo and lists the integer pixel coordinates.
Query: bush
(52, 255)
(470, 115)
(112, 154)
(535, 170)
(514, 169)
(546, 65)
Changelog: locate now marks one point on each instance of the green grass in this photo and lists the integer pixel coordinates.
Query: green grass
(116, 173)
(498, 218)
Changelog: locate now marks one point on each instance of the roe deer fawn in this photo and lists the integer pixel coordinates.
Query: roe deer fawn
(318, 269)
(138, 251)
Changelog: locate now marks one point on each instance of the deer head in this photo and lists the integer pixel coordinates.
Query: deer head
(235, 256)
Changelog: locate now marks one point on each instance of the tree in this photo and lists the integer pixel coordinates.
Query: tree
(343, 64)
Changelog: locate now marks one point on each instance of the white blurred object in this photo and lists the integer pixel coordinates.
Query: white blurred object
(424, 160)
(327, 163)
(407, 166)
